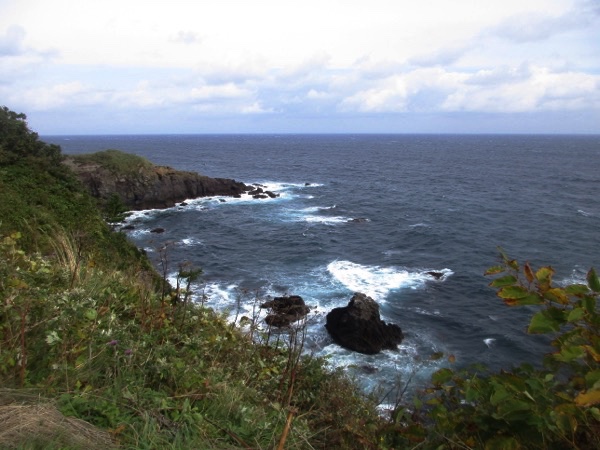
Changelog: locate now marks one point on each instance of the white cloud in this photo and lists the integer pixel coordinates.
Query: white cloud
(12, 42)
(541, 90)
(286, 59)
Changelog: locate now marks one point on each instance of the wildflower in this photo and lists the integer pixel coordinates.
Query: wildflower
(113, 342)
(128, 352)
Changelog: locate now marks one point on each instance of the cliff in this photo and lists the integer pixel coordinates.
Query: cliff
(143, 185)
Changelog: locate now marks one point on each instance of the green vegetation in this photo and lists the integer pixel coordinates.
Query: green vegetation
(90, 332)
(115, 161)
(555, 407)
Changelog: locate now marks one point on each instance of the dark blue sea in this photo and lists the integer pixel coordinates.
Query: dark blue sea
(424, 203)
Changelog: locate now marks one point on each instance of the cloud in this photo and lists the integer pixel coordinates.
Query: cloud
(187, 37)
(540, 26)
(541, 90)
(12, 43)
(283, 62)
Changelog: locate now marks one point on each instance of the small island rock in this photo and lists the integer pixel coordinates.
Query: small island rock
(359, 327)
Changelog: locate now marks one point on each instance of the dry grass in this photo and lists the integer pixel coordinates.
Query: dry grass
(23, 424)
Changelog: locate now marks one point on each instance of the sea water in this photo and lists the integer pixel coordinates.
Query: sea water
(374, 214)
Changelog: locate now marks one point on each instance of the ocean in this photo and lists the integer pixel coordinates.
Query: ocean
(374, 214)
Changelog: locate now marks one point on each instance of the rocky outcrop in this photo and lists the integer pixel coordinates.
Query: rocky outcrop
(147, 186)
(285, 310)
(359, 327)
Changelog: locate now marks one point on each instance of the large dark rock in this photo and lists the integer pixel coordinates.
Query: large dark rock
(285, 310)
(151, 186)
(359, 327)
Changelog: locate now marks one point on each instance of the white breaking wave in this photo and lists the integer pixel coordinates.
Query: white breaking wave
(189, 242)
(326, 220)
(377, 281)
(583, 213)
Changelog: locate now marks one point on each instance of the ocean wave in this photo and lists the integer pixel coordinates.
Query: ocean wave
(190, 242)
(377, 281)
(583, 213)
(327, 220)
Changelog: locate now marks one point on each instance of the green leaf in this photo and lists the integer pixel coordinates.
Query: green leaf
(513, 292)
(593, 281)
(441, 376)
(507, 280)
(531, 299)
(570, 353)
(575, 315)
(564, 419)
(91, 314)
(589, 303)
(500, 394)
(502, 443)
(541, 323)
(495, 270)
(595, 412)
(557, 295)
(514, 409)
(544, 277)
(577, 289)
(591, 378)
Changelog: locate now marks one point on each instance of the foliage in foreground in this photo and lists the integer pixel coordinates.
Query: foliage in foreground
(552, 407)
(159, 371)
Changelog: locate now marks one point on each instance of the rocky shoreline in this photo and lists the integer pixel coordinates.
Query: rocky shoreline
(152, 187)
(357, 327)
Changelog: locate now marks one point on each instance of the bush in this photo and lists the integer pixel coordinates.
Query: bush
(555, 406)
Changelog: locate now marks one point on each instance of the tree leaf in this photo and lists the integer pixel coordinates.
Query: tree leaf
(577, 289)
(528, 272)
(441, 376)
(593, 281)
(531, 299)
(589, 303)
(592, 352)
(495, 270)
(507, 280)
(588, 398)
(591, 378)
(541, 323)
(570, 353)
(513, 292)
(544, 277)
(502, 443)
(557, 295)
(575, 315)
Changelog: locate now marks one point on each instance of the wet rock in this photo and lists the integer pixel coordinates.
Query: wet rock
(359, 327)
(285, 310)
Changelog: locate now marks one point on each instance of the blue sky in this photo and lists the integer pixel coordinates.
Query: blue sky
(280, 66)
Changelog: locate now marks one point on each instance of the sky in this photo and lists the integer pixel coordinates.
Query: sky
(281, 66)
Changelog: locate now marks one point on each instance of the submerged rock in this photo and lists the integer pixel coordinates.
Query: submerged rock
(359, 327)
(285, 310)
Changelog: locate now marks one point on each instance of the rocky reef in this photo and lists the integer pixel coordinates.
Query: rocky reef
(142, 185)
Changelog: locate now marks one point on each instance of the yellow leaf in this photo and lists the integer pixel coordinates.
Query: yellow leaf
(588, 398)
(592, 352)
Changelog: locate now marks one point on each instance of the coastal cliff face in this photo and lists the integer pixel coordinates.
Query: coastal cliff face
(143, 185)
